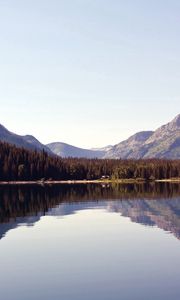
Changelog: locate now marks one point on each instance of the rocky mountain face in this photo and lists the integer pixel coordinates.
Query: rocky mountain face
(165, 141)
(65, 150)
(162, 143)
(27, 141)
(130, 147)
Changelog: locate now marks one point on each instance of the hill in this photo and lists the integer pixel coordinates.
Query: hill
(26, 141)
(66, 150)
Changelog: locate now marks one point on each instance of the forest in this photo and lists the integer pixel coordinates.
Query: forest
(19, 164)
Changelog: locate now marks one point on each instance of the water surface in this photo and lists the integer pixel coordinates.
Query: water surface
(90, 242)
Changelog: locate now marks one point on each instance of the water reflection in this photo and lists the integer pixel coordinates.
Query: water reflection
(150, 205)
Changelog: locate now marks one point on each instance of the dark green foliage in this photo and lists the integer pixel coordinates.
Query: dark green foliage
(21, 164)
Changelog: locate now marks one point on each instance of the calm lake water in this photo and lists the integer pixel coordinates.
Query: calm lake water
(90, 242)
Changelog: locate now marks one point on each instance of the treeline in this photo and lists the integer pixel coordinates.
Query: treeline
(21, 164)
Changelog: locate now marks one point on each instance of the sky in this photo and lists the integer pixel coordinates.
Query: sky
(88, 72)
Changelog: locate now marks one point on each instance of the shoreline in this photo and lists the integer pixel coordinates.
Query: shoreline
(98, 181)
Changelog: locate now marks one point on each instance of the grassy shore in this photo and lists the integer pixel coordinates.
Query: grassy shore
(102, 181)
(168, 180)
(53, 182)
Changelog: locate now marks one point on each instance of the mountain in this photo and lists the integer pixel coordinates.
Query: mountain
(162, 143)
(27, 141)
(104, 149)
(128, 148)
(165, 141)
(66, 150)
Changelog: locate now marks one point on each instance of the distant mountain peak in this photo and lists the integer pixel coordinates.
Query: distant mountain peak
(141, 136)
(176, 121)
(27, 141)
(66, 150)
(173, 125)
(161, 143)
(3, 128)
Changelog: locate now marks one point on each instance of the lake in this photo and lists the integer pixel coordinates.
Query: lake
(90, 242)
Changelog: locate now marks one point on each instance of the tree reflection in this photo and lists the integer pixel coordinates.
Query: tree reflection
(148, 204)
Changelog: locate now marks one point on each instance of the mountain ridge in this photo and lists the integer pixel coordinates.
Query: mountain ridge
(66, 150)
(26, 141)
(164, 142)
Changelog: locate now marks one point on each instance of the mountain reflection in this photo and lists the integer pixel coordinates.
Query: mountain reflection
(150, 205)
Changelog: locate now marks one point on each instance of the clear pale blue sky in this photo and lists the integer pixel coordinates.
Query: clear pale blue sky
(88, 72)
